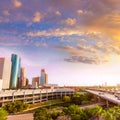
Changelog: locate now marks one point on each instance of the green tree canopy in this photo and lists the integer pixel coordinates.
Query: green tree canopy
(3, 114)
(66, 99)
(15, 107)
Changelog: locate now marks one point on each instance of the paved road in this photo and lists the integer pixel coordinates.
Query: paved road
(27, 116)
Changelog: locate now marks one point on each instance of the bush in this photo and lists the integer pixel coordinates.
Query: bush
(3, 114)
(15, 107)
(42, 114)
(85, 102)
(66, 99)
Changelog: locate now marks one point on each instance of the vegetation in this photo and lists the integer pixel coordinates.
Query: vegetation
(15, 107)
(74, 112)
(45, 114)
(112, 113)
(3, 114)
(66, 99)
(80, 99)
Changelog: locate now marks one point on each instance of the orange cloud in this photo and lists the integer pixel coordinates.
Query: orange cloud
(70, 21)
(17, 3)
(56, 32)
(37, 17)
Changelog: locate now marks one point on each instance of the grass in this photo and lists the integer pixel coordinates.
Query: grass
(50, 103)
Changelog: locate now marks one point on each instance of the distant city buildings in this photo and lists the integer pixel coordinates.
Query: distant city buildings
(38, 82)
(13, 76)
(35, 82)
(5, 73)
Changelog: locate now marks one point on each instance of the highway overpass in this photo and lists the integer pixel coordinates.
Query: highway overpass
(105, 96)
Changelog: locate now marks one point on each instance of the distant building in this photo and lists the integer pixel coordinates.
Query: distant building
(15, 72)
(35, 82)
(50, 86)
(27, 82)
(46, 79)
(5, 72)
(1, 83)
(22, 80)
(42, 78)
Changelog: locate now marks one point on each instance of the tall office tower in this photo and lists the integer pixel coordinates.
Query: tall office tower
(42, 78)
(27, 82)
(35, 82)
(46, 79)
(15, 72)
(19, 73)
(22, 80)
(5, 72)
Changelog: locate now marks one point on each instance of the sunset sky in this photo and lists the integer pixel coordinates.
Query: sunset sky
(77, 42)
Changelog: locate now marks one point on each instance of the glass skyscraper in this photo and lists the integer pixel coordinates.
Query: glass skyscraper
(15, 72)
(42, 78)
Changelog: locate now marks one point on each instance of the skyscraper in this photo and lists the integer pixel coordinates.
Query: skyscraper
(46, 79)
(42, 78)
(5, 72)
(35, 82)
(15, 72)
(22, 80)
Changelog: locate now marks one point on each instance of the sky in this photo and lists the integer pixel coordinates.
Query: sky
(77, 42)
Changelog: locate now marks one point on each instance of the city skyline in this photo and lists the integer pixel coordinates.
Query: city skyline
(76, 41)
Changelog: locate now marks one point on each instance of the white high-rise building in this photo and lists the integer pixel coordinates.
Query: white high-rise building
(5, 73)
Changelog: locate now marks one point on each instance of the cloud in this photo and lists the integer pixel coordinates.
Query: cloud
(70, 21)
(17, 3)
(6, 12)
(55, 32)
(85, 54)
(79, 12)
(37, 17)
(86, 48)
(58, 13)
(85, 59)
(9, 44)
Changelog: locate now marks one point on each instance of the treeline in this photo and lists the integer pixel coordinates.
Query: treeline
(74, 112)
(13, 107)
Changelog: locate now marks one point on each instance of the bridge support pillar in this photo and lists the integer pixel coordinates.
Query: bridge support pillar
(13, 97)
(40, 96)
(33, 100)
(107, 103)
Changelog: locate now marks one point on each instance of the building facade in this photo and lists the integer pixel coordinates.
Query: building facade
(5, 73)
(15, 72)
(22, 80)
(42, 78)
(46, 79)
(35, 82)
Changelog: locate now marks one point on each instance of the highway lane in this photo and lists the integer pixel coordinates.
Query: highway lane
(106, 96)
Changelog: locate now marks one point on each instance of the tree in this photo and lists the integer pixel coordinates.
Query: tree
(97, 111)
(107, 115)
(42, 114)
(15, 107)
(3, 114)
(75, 112)
(66, 99)
(112, 113)
(79, 99)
